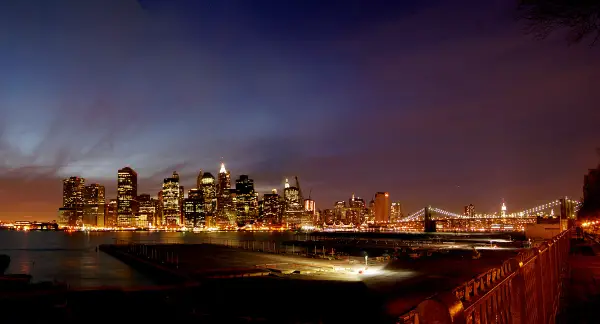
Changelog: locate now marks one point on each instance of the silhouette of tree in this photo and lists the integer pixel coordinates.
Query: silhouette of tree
(580, 18)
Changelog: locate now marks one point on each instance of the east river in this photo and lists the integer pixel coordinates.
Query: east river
(74, 259)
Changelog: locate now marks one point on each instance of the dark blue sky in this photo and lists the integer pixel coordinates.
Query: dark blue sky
(437, 102)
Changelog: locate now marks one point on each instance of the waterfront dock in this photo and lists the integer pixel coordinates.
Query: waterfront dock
(394, 286)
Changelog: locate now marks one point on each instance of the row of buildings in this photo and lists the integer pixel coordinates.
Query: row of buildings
(356, 212)
(212, 202)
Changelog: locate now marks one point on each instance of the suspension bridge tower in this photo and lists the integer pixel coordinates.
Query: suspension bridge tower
(429, 224)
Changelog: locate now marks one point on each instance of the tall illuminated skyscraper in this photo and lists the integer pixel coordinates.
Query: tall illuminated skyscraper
(382, 207)
(339, 211)
(293, 209)
(93, 210)
(73, 202)
(272, 208)
(355, 214)
(246, 199)
(193, 209)
(209, 194)
(226, 212)
(126, 197)
(171, 201)
(223, 185)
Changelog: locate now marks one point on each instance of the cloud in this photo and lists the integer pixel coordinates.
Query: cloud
(436, 108)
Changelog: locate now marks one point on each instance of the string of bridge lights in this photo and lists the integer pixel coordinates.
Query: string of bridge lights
(418, 215)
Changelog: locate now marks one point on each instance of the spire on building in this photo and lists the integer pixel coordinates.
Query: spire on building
(287, 184)
(222, 168)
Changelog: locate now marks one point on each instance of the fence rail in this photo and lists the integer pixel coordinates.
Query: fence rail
(525, 289)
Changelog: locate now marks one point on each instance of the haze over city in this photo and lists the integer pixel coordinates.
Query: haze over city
(345, 95)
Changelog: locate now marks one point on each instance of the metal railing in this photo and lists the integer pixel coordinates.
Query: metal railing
(525, 289)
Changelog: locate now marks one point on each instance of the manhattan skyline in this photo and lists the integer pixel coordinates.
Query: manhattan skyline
(350, 96)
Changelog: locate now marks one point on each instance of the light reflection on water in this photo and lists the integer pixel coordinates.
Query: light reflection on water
(72, 257)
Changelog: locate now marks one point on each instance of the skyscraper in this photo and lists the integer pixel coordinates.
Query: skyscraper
(111, 213)
(209, 194)
(148, 208)
(126, 197)
(171, 201)
(223, 186)
(93, 210)
(293, 209)
(396, 212)
(193, 209)
(73, 201)
(355, 214)
(309, 206)
(272, 208)
(382, 207)
(246, 199)
(226, 198)
(339, 211)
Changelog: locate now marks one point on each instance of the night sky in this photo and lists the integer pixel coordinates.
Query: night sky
(438, 102)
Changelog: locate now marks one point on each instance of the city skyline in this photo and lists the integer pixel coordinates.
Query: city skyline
(175, 197)
(343, 95)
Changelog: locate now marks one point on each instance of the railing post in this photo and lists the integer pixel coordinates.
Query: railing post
(441, 309)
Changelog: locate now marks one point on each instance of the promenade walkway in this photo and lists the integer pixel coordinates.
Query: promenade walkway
(582, 294)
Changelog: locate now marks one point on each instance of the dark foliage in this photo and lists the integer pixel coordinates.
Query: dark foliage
(580, 18)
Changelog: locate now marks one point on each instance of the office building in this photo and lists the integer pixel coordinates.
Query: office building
(94, 203)
(246, 200)
(310, 206)
(293, 213)
(111, 213)
(148, 208)
(73, 201)
(355, 212)
(224, 199)
(193, 209)
(382, 207)
(66, 217)
(396, 212)
(339, 212)
(328, 216)
(126, 197)
(272, 208)
(209, 194)
(171, 196)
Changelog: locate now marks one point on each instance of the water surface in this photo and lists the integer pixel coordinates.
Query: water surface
(73, 258)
